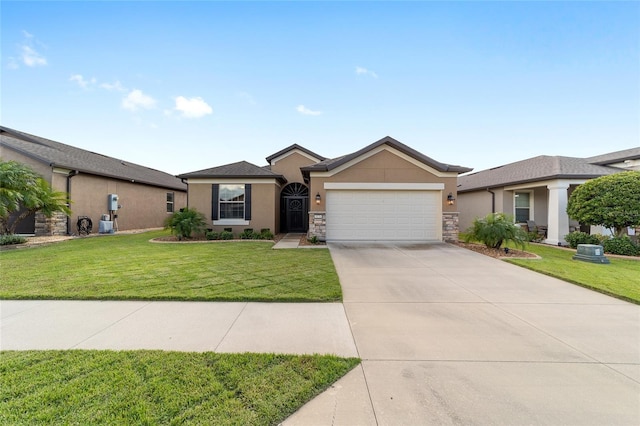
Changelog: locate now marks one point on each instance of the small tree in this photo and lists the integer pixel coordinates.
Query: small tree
(23, 190)
(186, 222)
(611, 201)
(495, 229)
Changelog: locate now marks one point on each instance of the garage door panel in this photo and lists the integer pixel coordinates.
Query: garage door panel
(383, 215)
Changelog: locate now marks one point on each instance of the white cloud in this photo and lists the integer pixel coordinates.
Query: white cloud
(136, 100)
(364, 71)
(114, 87)
(78, 78)
(31, 58)
(193, 107)
(306, 111)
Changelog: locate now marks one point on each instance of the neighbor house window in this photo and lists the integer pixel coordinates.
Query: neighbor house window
(523, 206)
(231, 201)
(170, 196)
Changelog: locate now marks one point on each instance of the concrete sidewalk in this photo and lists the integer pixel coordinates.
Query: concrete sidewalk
(297, 328)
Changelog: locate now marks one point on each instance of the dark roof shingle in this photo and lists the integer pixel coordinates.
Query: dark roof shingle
(57, 154)
(240, 170)
(331, 164)
(291, 148)
(532, 170)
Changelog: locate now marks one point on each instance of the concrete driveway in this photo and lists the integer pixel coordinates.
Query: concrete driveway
(449, 336)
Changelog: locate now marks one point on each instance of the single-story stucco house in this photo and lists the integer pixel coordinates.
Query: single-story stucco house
(537, 189)
(144, 196)
(385, 191)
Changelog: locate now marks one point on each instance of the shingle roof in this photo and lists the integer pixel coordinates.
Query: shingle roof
(291, 148)
(615, 157)
(331, 164)
(56, 154)
(240, 170)
(531, 170)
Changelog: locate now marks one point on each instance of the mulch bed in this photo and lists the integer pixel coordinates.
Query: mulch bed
(496, 253)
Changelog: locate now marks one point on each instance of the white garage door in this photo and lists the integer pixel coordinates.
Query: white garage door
(384, 215)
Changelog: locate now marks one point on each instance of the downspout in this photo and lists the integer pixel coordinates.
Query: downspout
(71, 174)
(493, 200)
(186, 183)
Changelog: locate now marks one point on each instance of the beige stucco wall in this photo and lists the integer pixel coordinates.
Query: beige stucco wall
(143, 206)
(42, 169)
(384, 167)
(264, 199)
(289, 167)
(473, 205)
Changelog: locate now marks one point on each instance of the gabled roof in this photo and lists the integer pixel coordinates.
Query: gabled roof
(331, 164)
(291, 148)
(534, 169)
(615, 157)
(239, 170)
(56, 154)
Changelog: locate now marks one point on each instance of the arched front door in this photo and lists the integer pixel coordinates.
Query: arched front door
(294, 208)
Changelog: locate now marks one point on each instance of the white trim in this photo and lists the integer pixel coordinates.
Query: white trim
(233, 181)
(61, 171)
(383, 186)
(377, 150)
(297, 151)
(231, 222)
(545, 183)
(531, 203)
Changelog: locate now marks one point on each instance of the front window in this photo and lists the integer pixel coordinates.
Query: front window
(523, 206)
(170, 196)
(231, 202)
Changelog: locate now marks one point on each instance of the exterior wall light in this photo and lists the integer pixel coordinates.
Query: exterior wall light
(450, 199)
(318, 198)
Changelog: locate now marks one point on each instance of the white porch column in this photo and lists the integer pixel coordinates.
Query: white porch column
(558, 224)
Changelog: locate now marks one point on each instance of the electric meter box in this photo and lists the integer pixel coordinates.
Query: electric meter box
(112, 202)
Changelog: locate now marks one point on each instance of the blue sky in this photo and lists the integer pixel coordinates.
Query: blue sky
(183, 86)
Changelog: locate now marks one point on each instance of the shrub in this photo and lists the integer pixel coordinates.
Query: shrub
(578, 237)
(248, 234)
(212, 235)
(266, 234)
(9, 239)
(226, 235)
(495, 229)
(314, 240)
(185, 222)
(621, 245)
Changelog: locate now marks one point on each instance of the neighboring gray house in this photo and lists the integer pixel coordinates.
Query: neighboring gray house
(537, 189)
(145, 197)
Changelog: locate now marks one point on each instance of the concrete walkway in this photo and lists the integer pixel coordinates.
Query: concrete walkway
(289, 241)
(303, 328)
(449, 336)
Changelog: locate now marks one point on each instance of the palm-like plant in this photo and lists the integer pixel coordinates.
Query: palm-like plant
(186, 222)
(22, 189)
(495, 229)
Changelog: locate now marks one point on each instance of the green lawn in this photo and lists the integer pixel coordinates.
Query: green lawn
(129, 267)
(621, 278)
(155, 387)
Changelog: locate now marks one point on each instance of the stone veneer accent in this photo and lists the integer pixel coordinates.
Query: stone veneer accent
(48, 226)
(317, 225)
(450, 226)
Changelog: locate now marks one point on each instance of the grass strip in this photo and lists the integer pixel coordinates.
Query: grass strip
(129, 267)
(620, 278)
(156, 387)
